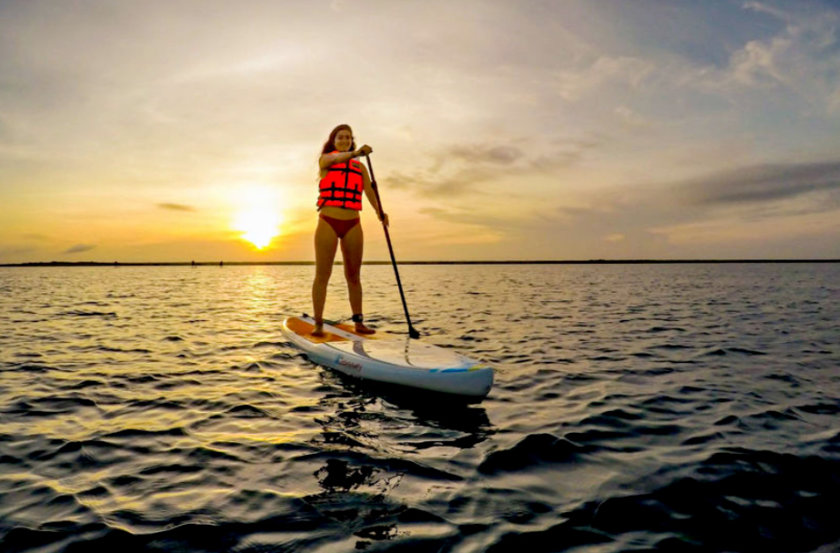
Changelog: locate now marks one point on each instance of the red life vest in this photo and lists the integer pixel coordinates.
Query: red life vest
(342, 186)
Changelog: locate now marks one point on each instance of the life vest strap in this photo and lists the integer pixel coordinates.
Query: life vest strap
(334, 189)
(335, 169)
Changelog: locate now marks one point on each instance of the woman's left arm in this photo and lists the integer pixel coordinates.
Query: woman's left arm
(371, 196)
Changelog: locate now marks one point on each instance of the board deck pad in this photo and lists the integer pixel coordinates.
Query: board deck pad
(304, 329)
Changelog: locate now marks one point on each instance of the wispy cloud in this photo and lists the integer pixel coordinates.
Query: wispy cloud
(79, 248)
(176, 207)
(765, 183)
(625, 72)
(486, 154)
(458, 169)
(804, 58)
(12, 251)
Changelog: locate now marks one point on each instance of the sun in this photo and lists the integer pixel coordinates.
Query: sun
(258, 219)
(259, 226)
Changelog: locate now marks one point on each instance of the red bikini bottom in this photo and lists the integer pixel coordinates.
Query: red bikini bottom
(340, 226)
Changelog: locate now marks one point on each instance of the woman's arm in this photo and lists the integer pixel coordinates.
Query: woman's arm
(327, 160)
(371, 196)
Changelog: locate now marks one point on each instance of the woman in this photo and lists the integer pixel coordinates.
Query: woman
(339, 202)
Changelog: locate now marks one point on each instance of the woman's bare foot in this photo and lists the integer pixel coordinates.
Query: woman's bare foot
(360, 326)
(318, 331)
(362, 329)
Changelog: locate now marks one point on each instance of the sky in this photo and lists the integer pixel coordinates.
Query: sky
(185, 130)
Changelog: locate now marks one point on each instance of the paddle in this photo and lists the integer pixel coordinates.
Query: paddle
(412, 332)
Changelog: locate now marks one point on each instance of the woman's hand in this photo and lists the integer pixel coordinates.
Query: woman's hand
(364, 150)
(384, 219)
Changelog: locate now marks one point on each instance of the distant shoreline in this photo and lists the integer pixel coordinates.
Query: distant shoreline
(486, 262)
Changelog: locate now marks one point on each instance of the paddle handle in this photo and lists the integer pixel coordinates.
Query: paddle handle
(412, 332)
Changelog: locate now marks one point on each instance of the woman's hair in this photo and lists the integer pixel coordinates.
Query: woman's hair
(329, 145)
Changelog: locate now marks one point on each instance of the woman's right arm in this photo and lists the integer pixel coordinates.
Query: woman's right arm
(340, 157)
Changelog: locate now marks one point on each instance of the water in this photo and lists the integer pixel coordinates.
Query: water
(636, 408)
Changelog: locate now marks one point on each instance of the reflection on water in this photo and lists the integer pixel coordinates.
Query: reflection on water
(635, 407)
(363, 442)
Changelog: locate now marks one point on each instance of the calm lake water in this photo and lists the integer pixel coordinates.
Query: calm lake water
(636, 408)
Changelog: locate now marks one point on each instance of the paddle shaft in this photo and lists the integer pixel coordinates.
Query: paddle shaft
(412, 332)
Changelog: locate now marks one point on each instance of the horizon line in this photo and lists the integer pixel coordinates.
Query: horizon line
(410, 262)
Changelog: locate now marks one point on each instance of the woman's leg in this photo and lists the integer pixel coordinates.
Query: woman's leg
(325, 245)
(352, 246)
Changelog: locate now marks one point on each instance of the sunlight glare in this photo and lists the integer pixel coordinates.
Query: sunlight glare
(258, 218)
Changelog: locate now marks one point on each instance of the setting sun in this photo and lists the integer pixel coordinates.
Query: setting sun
(258, 218)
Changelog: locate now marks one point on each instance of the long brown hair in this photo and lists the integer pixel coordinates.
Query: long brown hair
(329, 145)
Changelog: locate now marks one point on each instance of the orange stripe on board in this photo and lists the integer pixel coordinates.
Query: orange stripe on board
(352, 330)
(304, 329)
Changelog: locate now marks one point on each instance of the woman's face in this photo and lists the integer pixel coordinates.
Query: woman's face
(343, 140)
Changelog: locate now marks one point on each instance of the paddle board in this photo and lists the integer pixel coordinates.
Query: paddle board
(390, 358)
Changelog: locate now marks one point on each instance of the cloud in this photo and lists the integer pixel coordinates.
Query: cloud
(459, 216)
(766, 183)
(623, 71)
(482, 153)
(630, 117)
(456, 170)
(176, 207)
(765, 210)
(562, 155)
(804, 58)
(15, 250)
(762, 235)
(79, 248)
(761, 7)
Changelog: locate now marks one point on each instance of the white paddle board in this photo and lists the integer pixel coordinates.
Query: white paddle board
(390, 358)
